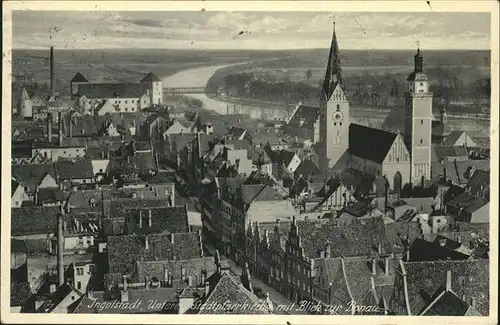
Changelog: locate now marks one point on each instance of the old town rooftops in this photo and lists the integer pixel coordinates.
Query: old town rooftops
(469, 278)
(361, 237)
(125, 250)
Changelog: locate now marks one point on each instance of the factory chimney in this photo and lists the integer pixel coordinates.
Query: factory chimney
(60, 247)
(49, 127)
(52, 72)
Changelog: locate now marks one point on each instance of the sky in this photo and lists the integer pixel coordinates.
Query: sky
(261, 30)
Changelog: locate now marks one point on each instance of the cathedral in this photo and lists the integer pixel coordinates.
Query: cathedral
(402, 157)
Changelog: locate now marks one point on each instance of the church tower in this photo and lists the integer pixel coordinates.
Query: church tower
(418, 121)
(334, 110)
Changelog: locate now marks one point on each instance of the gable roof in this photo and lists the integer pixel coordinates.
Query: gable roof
(124, 251)
(307, 168)
(33, 220)
(229, 289)
(360, 237)
(402, 233)
(422, 250)
(468, 202)
(150, 77)
(193, 267)
(67, 169)
(449, 304)
(453, 137)
(163, 219)
(30, 175)
(469, 278)
(443, 152)
(306, 114)
(79, 78)
(369, 143)
(112, 90)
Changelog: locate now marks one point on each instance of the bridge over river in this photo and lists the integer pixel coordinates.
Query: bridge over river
(186, 90)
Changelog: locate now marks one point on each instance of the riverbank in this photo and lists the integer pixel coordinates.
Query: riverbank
(199, 77)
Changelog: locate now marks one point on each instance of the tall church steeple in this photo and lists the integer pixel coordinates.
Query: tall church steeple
(418, 121)
(334, 108)
(333, 70)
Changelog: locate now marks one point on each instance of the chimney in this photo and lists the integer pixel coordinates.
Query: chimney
(473, 302)
(146, 282)
(149, 218)
(124, 282)
(167, 276)
(172, 238)
(70, 125)
(140, 218)
(203, 278)
(207, 288)
(328, 251)
(374, 266)
(190, 281)
(445, 176)
(49, 127)
(379, 248)
(35, 197)
(387, 261)
(60, 247)
(183, 273)
(124, 296)
(448, 280)
(59, 127)
(52, 288)
(90, 294)
(146, 242)
(52, 72)
(422, 181)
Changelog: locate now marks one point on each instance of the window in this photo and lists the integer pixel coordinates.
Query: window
(421, 121)
(133, 109)
(340, 123)
(79, 270)
(79, 285)
(84, 181)
(126, 109)
(335, 124)
(132, 101)
(90, 102)
(421, 141)
(64, 152)
(421, 84)
(77, 149)
(91, 269)
(125, 102)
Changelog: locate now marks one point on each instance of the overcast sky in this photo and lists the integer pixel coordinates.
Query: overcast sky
(262, 30)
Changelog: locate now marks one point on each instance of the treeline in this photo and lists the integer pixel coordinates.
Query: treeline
(373, 90)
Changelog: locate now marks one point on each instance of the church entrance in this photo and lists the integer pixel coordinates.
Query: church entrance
(398, 183)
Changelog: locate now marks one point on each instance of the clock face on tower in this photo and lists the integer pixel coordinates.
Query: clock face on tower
(337, 116)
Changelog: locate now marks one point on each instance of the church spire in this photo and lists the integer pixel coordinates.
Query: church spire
(418, 60)
(333, 70)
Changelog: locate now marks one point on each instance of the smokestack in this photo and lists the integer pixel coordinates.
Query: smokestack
(49, 127)
(60, 247)
(448, 280)
(149, 218)
(52, 72)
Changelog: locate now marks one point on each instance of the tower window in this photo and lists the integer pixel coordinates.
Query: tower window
(338, 107)
(340, 123)
(421, 84)
(421, 121)
(334, 124)
(421, 141)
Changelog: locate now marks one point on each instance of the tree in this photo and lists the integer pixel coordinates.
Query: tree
(309, 74)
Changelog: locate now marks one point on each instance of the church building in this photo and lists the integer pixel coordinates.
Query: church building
(402, 157)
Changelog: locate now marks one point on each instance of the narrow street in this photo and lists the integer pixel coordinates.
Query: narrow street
(276, 297)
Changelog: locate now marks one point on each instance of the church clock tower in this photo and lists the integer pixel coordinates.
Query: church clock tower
(418, 121)
(334, 110)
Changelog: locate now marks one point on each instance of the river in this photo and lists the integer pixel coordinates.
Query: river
(198, 77)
